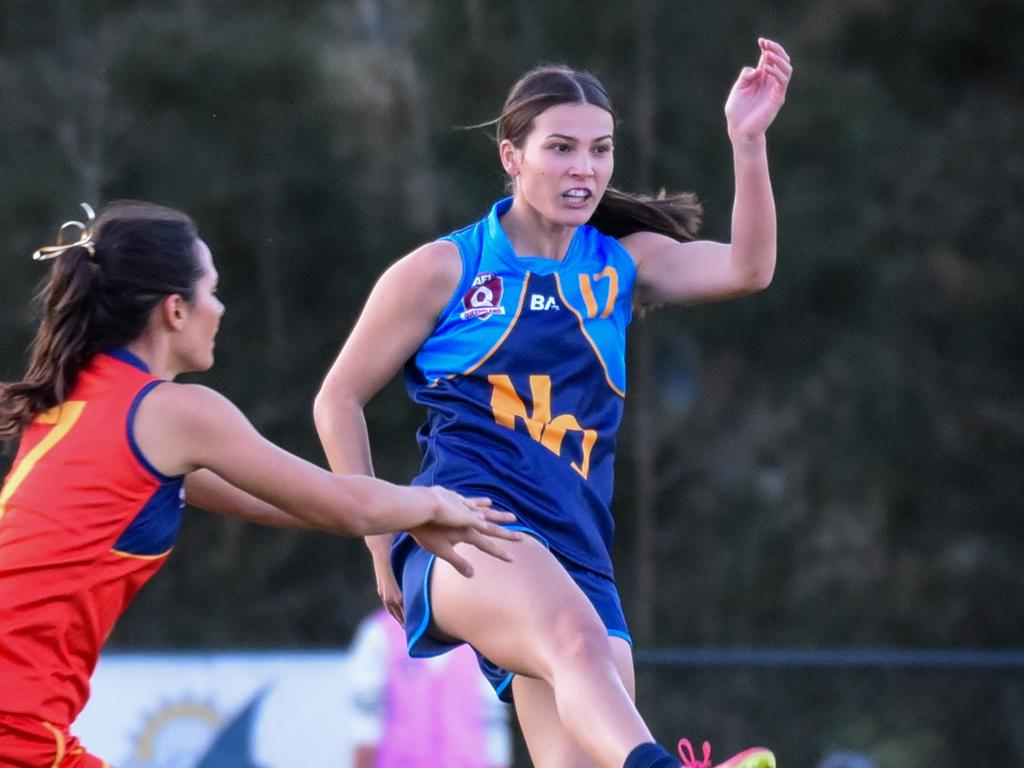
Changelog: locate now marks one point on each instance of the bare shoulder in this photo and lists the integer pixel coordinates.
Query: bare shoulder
(187, 403)
(437, 264)
(422, 281)
(177, 424)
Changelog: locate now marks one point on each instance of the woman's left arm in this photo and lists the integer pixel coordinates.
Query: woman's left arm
(672, 272)
(209, 491)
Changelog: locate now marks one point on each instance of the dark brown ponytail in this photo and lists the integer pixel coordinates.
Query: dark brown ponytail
(100, 295)
(623, 213)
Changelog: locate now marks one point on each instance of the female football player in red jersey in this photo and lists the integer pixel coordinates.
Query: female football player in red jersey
(514, 337)
(110, 448)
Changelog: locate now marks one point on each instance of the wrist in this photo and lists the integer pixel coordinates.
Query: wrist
(748, 146)
(429, 503)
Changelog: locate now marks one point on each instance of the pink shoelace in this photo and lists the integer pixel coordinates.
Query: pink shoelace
(690, 759)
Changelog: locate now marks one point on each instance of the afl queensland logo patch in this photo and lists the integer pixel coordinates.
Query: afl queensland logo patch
(483, 299)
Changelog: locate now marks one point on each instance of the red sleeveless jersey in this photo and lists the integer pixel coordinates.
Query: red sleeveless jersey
(85, 521)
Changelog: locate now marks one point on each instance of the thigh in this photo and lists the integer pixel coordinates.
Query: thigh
(549, 743)
(516, 614)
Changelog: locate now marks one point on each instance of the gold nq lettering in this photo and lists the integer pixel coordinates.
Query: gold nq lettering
(507, 406)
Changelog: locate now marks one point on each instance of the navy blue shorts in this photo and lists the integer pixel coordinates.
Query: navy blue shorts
(413, 565)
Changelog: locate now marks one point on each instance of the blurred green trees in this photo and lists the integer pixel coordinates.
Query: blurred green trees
(836, 461)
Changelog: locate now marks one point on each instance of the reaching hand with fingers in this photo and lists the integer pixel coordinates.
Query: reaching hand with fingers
(452, 510)
(759, 92)
(461, 519)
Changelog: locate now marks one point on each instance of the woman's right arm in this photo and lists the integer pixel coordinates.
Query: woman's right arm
(399, 316)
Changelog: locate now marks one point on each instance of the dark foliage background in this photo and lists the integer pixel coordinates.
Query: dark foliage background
(834, 462)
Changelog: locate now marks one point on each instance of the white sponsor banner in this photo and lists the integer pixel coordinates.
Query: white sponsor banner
(219, 710)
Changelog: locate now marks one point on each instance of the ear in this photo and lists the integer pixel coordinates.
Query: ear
(173, 311)
(509, 157)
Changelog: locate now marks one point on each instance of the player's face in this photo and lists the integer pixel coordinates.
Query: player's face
(204, 315)
(564, 166)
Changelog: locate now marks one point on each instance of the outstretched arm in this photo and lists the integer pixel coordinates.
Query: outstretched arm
(184, 428)
(672, 272)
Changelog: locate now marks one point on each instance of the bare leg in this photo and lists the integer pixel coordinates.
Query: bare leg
(549, 743)
(529, 617)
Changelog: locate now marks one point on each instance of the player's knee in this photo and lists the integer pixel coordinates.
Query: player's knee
(580, 641)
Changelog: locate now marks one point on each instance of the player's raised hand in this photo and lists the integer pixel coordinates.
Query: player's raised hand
(759, 92)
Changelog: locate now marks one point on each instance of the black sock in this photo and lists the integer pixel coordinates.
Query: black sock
(650, 755)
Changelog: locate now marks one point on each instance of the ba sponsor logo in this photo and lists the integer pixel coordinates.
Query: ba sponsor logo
(483, 299)
(541, 303)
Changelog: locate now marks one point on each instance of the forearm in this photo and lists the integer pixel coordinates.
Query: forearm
(753, 241)
(207, 490)
(386, 507)
(341, 425)
(379, 545)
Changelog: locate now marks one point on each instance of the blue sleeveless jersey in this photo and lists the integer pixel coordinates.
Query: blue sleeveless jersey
(524, 380)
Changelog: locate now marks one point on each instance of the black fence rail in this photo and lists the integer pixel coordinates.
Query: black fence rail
(957, 660)
(841, 708)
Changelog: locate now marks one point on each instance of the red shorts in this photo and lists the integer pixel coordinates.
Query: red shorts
(29, 743)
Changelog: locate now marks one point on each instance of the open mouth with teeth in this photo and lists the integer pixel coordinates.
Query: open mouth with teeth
(577, 195)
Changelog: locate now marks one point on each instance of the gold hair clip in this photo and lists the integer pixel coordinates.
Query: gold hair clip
(84, 238)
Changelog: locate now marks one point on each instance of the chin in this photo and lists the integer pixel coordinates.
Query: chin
(202, 365)
(569, 217)
(578, 218)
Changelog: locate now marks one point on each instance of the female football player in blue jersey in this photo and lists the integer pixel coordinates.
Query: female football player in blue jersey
(512, 333)
(109, 449)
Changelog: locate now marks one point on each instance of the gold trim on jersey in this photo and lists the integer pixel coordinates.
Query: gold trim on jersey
(583, 330)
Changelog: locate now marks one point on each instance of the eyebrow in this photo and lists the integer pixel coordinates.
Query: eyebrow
(607, 136)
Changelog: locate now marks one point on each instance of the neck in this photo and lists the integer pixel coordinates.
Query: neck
(155, 353)
(533, 235)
